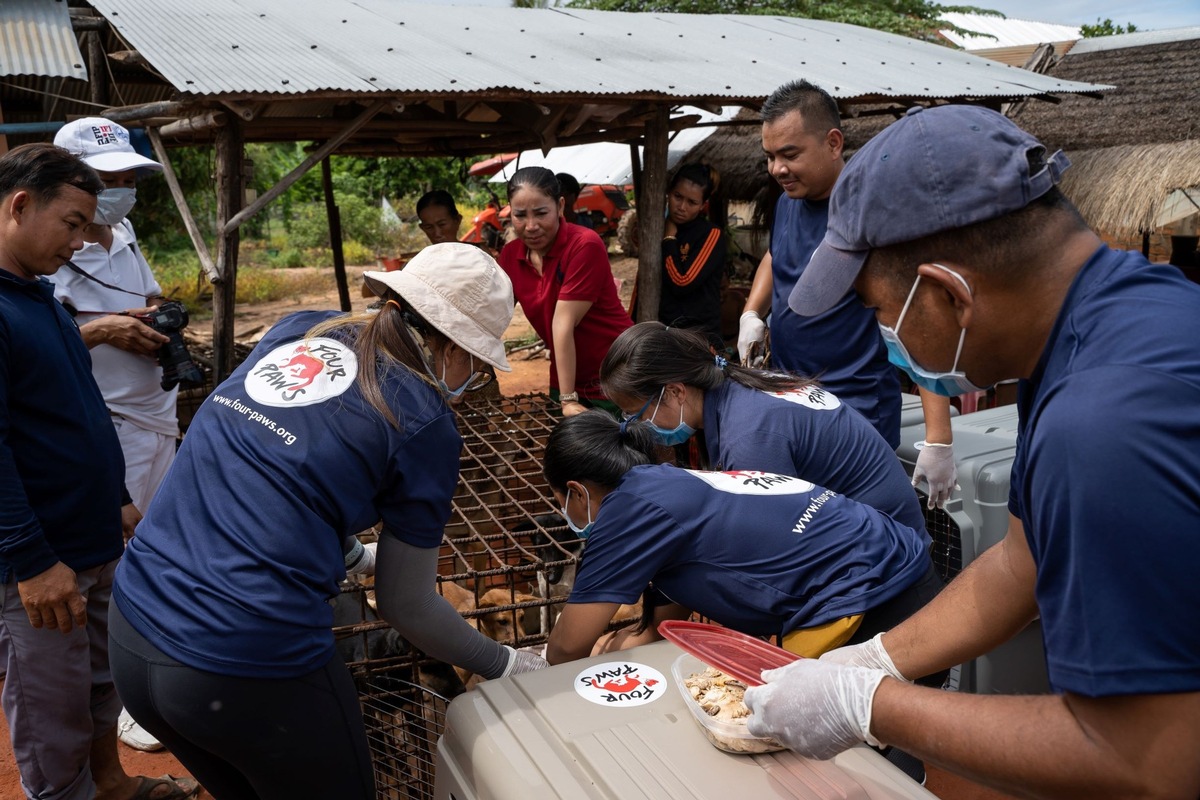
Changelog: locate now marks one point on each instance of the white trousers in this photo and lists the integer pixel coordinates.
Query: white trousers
(148, 456)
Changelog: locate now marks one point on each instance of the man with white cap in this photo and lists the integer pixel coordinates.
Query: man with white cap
(103, 286)
(950, 226)
(221, 620)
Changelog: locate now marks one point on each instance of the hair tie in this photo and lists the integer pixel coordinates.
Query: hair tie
(399, 307)
(623, 430)
(722, 363)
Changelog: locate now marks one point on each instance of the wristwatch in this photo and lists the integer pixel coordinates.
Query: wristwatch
(568, 397)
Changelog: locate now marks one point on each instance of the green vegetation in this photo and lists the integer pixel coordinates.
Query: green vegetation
(1105, 27)
(292, 231)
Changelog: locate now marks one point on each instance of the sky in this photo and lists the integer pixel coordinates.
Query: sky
(1146, 15)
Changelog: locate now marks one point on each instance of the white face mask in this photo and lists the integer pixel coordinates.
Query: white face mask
(113, 205)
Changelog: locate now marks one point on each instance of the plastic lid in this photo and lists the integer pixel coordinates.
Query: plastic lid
(734, 653)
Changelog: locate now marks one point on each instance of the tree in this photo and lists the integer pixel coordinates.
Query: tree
(918, 19)
(1105, 27)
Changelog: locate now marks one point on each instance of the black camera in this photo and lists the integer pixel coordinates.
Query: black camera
(170, 319)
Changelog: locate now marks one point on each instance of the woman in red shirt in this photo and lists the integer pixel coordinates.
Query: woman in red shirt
(564, 283)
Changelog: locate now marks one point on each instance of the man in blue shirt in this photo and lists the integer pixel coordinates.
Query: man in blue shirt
(63, 506)
(949, 225)
(841, 347)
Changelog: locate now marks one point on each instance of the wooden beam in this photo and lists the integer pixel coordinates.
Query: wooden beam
(230, 154)
(163, 108)
(247, 111)
(181, 203)
(204, 123)
(304, 166)
(97, 73)
(335, 235)
(650, 218)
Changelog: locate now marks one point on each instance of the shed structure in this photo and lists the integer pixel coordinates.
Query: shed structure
(1135, 172)
(382, 78)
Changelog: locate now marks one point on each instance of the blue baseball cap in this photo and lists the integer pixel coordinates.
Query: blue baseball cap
(933, 170)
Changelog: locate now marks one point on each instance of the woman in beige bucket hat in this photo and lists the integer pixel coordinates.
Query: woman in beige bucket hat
(223, 599)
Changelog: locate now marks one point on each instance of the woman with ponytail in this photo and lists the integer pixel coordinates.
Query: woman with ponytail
(753, 419)
(221, 623)
(765, 554)
(693, 251)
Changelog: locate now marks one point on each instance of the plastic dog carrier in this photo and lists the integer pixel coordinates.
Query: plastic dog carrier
(974, 519)
(616, 726)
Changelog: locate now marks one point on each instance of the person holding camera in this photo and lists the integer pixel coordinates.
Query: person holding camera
(107, 286)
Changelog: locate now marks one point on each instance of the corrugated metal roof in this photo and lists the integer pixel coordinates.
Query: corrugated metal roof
(1002, 32)
(36, 39)
(238, 47)
(1137, 39)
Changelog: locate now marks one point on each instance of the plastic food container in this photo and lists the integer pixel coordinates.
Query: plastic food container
(732, 737)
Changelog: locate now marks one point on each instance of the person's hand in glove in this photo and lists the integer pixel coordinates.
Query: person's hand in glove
(870, 654)
(751, 331)
(816, 708)
(520, 661)
(935, 464)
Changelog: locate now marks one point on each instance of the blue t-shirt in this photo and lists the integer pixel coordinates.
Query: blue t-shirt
(240, 552)
(61, 469)
(1107, 480)
(764, 554)
(841, 347)
(808, 433)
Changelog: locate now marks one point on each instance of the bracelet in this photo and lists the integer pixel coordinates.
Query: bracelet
(569, 397)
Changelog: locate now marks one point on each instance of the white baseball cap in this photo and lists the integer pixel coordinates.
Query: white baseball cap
(460, 290)
(103, 145)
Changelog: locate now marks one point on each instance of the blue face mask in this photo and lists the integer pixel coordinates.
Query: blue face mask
(670, 436)
(947, 384)
(586, 530)
(452, 393)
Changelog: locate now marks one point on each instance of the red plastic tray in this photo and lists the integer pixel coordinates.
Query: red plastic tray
(734, 653)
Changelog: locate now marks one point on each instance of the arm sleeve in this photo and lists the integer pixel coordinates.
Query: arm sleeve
(585, 269)
(691, 276)
(405, 587)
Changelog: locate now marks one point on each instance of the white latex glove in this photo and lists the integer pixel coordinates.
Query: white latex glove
(751, 330)
(935, 464)
(871, 655)
(361, 559)
(520, 661)
(815, 707)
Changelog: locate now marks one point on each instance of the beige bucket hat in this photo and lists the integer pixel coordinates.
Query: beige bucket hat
(461, 291)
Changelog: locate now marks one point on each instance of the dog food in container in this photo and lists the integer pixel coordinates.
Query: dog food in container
(714, 699)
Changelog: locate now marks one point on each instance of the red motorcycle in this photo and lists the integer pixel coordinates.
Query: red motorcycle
(489, 227)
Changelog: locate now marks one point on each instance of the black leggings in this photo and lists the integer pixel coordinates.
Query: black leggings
(247, 738)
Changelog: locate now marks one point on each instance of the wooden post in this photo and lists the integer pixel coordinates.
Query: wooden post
(93, 45)
(181, 203)
(650, 218)
(229, 201)
(335, 235)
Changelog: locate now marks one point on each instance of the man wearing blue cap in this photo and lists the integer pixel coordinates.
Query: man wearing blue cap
(949, 225)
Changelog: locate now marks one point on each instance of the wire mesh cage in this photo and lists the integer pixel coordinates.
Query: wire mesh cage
(507, 560)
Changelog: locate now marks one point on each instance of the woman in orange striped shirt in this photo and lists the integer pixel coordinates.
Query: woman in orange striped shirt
(693, 255)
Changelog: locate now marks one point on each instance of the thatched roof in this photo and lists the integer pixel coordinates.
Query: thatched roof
(1155, 100)
(1119, 190)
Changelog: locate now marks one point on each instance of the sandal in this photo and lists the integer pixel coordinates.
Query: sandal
(180, 788)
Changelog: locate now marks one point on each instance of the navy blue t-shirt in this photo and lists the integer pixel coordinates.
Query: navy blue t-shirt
(61, 470)
(240, 552)
(841, 347)
(764, 554)
(808, 433)
(1107, 480)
